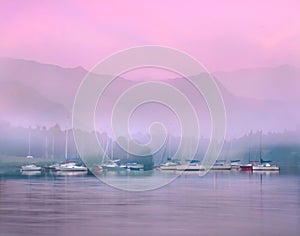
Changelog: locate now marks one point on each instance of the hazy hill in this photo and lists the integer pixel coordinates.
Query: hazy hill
(23, 105)
(54, 82)
(274, 83)
(259, 98)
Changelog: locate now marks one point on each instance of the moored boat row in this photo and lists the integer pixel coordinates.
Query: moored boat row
(114, 165)
(218, 166)
(72, 166)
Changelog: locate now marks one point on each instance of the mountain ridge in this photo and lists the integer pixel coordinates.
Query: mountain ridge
(57, 86)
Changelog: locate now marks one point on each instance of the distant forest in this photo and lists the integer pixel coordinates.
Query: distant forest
(50, 143)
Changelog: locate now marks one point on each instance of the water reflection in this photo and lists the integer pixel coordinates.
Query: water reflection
(70, 173)
(266, 172)
(31, 173)
(219, 203)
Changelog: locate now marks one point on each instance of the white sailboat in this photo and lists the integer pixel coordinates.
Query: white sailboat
(69, 166)
(53, 165)
(30, 167)
(235, 163)
(72, 167)
(221, 165)
(29, 156)
(264, 165)
(135, 166)
(110, 164)
(170, 164)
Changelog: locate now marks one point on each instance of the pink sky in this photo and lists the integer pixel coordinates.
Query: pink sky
(223, 35)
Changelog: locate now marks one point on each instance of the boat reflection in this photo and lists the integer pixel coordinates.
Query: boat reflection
(70, 173)
(31, 173)
(266, 172)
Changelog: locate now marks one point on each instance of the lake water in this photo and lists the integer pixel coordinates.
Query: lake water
(220, 203)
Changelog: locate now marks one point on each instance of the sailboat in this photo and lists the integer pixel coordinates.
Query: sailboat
(29, 156)
(264, 165)
(135, 166)
(235, 163)
(170, 164)
(69, 166)
(221, 165)
(110, 164)
(53, 165)
(30, 167)
(191, 165)
(247, 167)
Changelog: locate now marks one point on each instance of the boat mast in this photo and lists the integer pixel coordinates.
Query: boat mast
(66, 145)
(106, 157)
(227, 152)
(127, 153)
(29, 142)
(111, 149)
(260, 148)
(46, 146)
(52, 154)
(249, 155)
(169, 147)
(164, 152)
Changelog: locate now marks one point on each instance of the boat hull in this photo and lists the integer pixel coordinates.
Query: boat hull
(190, 168)
(221, 167)
(168, 167)
(70, 167)
(135, 166)
(31, 168)
(265, 168)
(246, 167)
(78, 168)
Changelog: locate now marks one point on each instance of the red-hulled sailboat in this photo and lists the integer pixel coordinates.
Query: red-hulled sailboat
(247, 167)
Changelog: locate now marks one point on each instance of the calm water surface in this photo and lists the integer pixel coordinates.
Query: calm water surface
(220, 203)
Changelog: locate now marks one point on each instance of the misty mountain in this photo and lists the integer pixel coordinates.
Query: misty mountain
(281, 83)
(53, 82)
(263, 98)
(23, 105)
